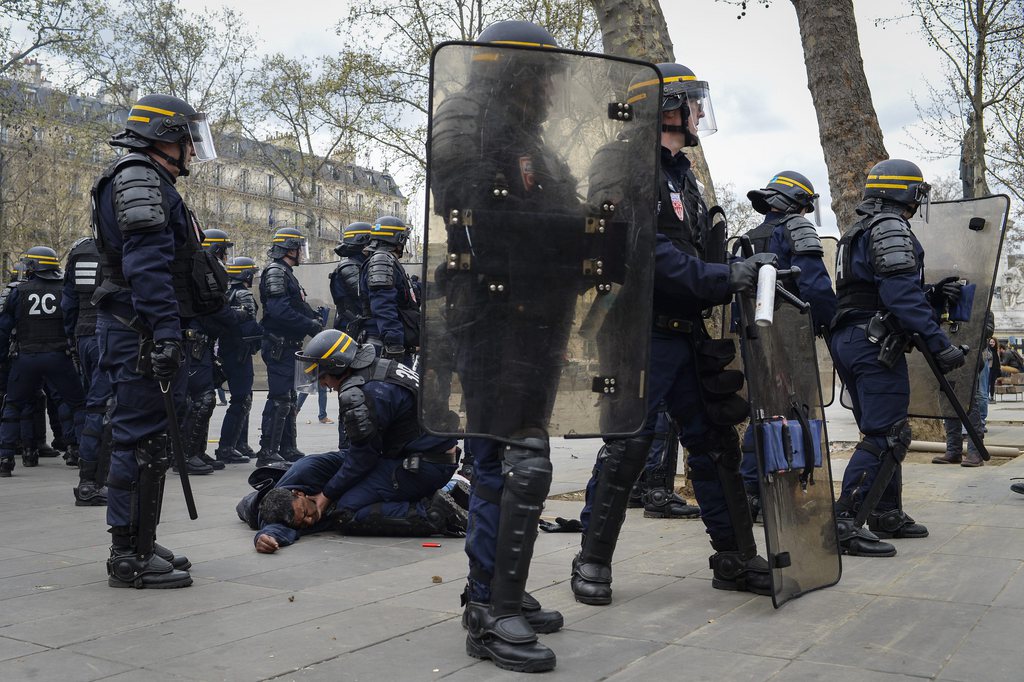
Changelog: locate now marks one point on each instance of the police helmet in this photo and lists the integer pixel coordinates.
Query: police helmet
(217, 242)
(332, 351)
(241, 269)
(164, 118)
(787, 192)
(517, 73)
(42, 262)
(680, 90)
(354, 238)
(899, 181)
(286, 239)
(388, 229)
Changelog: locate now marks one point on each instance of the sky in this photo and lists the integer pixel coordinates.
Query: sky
(754, 66)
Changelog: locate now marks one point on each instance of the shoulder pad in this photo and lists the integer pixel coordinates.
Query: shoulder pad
(83, 245)
(380, 271)
(5, 294)
(803, 237)
(274, 281)
(356, 413)
(139, 199)
(349, 271)
(892, 246)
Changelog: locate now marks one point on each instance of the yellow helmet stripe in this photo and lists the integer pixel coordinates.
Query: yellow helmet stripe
(784, 180)
(885, 185)
(909, 178)
(636, 98)
(214, 239)
(45, 259)
(165, 112)
(344, 337)
(518, 42)
(348, 232)
(140, 119)
(655, 81)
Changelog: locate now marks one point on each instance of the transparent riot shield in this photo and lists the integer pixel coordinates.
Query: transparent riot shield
(538, 264)
(795, 475)
(961, 239)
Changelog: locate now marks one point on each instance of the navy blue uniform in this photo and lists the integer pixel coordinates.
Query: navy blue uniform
(80, 281)
(880, 395)
(390, 309)
(287, 320)
(345, 293)
(32, 315)
(155, 280)
(236, 356)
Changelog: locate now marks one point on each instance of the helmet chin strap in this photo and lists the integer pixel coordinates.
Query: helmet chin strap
(691, 139)
(178, 162)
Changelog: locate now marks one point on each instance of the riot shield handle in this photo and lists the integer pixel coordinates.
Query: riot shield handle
(947, 390)
(787, 295)
(746, 306)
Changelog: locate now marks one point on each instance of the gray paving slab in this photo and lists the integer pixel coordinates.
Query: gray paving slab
(946, 607)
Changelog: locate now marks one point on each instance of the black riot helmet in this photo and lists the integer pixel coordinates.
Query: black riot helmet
(354, 238)
(787, 192)
(163, 118)
(681, 90)
(42, 262)
(241, 269)
(519, 76)
(287, 239)
(391, 231)
(332, 351)
(897, 181)
(217, 243)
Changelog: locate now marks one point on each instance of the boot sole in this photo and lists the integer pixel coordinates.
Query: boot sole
(896, 536)
(662, 515)
(478, 650)
(730, 586)
(91, 503)
(592, 601)
(872, 555)
(114, 582)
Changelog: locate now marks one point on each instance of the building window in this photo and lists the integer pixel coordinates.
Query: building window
(244, 184)
(5, 136)
(217, 170)
(359, 202)
(246, 206)
(319, 196)
(270, 185)
(394, 209)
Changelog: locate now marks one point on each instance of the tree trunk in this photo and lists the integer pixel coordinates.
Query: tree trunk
(847, 124)
(637, 29)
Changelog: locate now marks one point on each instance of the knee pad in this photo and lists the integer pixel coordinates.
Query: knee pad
(898, 440)
(528, 471)
(247, 403)
(152, 453)
(624, 459)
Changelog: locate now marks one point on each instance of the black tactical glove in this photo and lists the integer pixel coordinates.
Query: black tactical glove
(949, 358)
(393, 351)
(743, 275)
(945, 293)
(244, 314)
(166, 357)
(315, 328)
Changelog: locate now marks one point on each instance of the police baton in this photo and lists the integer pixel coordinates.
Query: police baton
(179, 451)
(947, 390)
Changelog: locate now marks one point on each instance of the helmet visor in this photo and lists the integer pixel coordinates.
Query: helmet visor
(202, 137)
(307, 376)
(696, 97)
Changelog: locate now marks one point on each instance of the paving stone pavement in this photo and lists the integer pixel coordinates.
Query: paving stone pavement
(948, 607)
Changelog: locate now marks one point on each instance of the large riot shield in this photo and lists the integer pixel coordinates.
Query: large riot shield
(961, 239)
(541, 181)
(795, 475)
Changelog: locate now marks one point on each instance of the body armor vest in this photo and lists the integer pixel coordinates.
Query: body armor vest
(198, 279)
(296, 299)
(857, 299)
(40, 322)
(84, 271)
(349, 308)
(405, 428)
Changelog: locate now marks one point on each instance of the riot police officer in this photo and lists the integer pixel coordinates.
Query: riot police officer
(81, 279)
(287, 320)
(685, 365)
(880, 285)
(785, 202)
(32, 335)
(390, 310)
(236, 349)
(345, 278)
(156, 277)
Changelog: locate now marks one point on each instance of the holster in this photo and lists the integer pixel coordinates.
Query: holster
(276, 346)
(195, 342)
(883, 329)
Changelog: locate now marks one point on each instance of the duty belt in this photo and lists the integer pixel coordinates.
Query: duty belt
(412, 461)
(673, 324)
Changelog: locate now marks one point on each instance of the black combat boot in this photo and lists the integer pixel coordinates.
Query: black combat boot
(733, 572)
(7, 467)
(44, 450)
(543, 621)
(30, 457)
(71, 456)
(859, 541)
(508, 641)
(445, 514)
(895, 523)
(664, 503)
(89, 492)
(214, 464)
(230, 456)
(291, 454)
(196, 467)
(179, 561)
(591, 582)
(125, 569)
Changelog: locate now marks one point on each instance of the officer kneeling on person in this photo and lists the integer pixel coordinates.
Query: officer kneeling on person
(376, 486)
